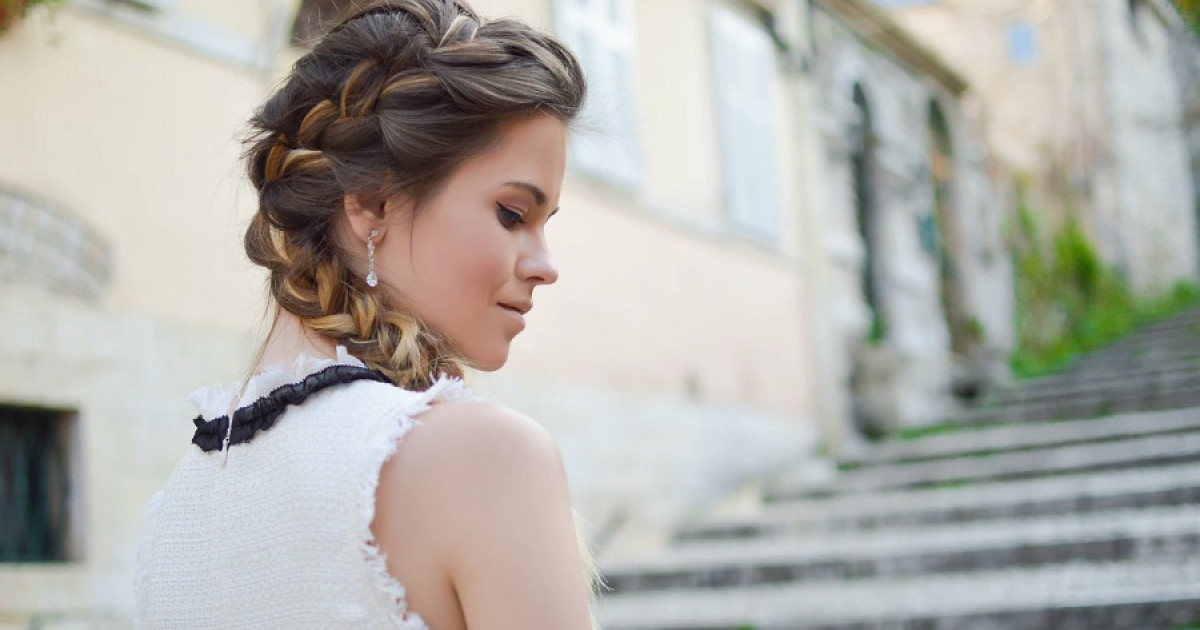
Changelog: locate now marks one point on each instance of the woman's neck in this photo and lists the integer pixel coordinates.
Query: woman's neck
(290, 338)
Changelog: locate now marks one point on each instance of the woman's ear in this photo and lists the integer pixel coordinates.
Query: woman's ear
(364, 214)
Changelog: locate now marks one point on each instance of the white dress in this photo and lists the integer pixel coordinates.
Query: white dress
(266, 524)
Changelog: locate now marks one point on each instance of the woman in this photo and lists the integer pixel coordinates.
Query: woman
(406, 170)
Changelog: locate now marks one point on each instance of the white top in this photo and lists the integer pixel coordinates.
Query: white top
(275, 532)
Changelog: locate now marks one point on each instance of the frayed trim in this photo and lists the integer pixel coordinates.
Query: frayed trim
(390, 592)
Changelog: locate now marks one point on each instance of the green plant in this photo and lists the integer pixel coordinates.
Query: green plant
(1069, 302)
(976, 331)
(879, 329)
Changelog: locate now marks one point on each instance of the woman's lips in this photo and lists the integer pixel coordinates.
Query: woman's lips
(515, 313)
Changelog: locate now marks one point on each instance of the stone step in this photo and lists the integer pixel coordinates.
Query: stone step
(1136, 357)
(1150, 376)
(1126, 357)
(1090, 405)
(1014, 437)
(1129, 453)
(1185, 322)
(1170, 333)
(1085, 493)
(1110, 536)
(1054, 381)
(1184, 333)
(1096, 596)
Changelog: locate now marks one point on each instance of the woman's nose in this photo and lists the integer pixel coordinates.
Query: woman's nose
(536, 265)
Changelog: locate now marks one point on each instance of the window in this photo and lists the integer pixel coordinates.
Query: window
(743, 75)
(601, 33)
(47, 245)
(1022, 43)
(36, 484)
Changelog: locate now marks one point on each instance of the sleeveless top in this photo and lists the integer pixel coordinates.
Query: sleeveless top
(265, 523)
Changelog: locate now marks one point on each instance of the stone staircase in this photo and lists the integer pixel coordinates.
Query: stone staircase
(1157, 368)
(1015, 521)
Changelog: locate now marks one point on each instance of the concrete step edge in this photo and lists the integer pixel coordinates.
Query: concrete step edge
(893, 599)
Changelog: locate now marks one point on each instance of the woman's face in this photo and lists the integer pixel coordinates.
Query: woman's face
(468, 264)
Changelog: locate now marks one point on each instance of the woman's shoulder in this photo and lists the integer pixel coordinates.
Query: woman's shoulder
(484, 490)
(478, 452)
(476, 435)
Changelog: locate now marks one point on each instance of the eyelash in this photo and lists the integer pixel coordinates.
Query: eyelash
(509, 218)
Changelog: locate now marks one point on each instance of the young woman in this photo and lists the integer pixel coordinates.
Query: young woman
(406, 170)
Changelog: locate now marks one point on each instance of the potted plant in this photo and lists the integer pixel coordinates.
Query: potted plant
(11, 11)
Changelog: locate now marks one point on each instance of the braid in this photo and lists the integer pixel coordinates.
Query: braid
(388, 103)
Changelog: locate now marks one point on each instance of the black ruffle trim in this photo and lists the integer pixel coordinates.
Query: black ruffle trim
(262, 413)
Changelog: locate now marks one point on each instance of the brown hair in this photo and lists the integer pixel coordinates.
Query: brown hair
(388, 103)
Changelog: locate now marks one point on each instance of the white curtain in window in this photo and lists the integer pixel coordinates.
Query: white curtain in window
(602, 35)
(743, 75)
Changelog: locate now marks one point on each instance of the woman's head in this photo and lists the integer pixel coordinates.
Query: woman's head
(419, 121)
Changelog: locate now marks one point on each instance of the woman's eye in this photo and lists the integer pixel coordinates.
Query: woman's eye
(509, 218)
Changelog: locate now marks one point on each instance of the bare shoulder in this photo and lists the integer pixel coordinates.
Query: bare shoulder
(461, 457)
(470, 435)
(483, 488)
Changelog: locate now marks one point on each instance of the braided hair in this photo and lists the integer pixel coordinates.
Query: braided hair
(388, 103)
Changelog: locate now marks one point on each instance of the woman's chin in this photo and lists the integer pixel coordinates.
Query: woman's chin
(490, 362)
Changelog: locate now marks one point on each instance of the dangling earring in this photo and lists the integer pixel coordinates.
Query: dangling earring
(372, 279)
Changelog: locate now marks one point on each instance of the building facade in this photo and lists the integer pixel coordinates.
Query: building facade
(777, 228)
(1081, 100)
(915, 279)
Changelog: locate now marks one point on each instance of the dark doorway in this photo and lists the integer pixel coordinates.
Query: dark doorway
(868, 375)
(941, 166)
(862, 171)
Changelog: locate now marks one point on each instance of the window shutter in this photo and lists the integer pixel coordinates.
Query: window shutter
(743, 75)
(602, 33)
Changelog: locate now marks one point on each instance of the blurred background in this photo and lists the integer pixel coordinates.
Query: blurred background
(872, 314)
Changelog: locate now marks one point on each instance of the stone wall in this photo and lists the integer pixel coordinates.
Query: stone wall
(1156, 227)
(910, 372)
(126, 378)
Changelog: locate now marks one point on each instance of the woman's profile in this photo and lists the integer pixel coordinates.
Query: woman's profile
(405, 170)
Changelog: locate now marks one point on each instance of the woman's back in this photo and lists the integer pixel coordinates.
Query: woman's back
(275, 530)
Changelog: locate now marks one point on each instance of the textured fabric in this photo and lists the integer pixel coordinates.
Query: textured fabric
(275, 532)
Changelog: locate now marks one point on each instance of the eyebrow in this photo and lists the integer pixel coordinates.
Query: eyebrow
(539, 195)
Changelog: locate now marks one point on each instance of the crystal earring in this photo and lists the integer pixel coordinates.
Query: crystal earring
(372, 279)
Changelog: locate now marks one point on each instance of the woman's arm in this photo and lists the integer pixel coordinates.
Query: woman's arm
(493, 496)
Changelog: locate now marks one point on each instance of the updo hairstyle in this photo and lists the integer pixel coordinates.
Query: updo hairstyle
(388, 103)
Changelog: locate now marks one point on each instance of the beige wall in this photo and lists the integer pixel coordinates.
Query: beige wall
(138, 139)
(1025, 125)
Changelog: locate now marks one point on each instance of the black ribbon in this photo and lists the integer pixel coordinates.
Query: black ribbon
(262, 413)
